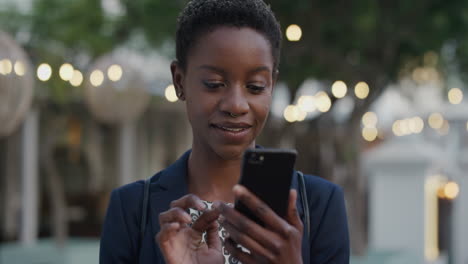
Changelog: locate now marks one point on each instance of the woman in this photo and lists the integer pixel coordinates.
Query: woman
(227, 64)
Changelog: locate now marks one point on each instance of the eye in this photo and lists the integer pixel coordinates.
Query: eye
(213, 85)
(255, 88)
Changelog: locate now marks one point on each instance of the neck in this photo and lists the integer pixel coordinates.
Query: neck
(211, 177)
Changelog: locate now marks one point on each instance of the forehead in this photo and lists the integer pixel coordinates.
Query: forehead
(231, 47)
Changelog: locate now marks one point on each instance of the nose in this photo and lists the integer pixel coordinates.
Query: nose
(234, 101)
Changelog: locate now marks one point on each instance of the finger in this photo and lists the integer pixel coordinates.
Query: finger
(206, 219)
(174, 215)
(167, 231)
(189, 201)
(212, 236)
(237, 252)
(264, 237)
(261, 210)
(293, 215)
(246, 241)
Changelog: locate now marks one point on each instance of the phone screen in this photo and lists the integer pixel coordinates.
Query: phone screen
(267, 173)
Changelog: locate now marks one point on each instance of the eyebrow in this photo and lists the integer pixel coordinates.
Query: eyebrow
(222, 71)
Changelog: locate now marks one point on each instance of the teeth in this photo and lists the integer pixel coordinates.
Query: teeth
(232, 129)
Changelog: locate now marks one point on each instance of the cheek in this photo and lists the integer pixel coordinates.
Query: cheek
(262, 109)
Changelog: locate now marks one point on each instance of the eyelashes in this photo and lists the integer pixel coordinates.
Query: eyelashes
(217, 85)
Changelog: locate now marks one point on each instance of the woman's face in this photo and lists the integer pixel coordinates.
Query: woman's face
(227, 86)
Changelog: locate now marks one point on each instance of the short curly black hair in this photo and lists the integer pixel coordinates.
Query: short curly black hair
(202, 16)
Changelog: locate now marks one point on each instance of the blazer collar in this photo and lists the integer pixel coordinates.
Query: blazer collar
(174, 177)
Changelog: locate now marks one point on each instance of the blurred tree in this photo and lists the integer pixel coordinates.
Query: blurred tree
(363, 40)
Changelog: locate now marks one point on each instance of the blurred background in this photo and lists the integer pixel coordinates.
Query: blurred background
(370, 93)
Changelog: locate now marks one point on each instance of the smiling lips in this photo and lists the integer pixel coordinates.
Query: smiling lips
(232, 131)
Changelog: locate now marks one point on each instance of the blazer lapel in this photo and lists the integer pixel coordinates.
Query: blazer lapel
(167, 186)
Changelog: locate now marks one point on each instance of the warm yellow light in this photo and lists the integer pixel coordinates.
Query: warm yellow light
(396, 128)
(306, 103)
(44, 72)
(416, 125)
(441, 193)
(96, 78)
(431, 216)
(404, 127)
(369, 119)
(467, 126)
(170, 93)
(322, 102)
(5, 67)
(66, 72)
(369, 133)
(291, 113)
(20, 69)
(436, 120)
(115, 73)
(77, 78)
(361, 90)
(294, 33)
(339, 89)
(451, 190)
(444, 130)
(455, 96)
(301, 114)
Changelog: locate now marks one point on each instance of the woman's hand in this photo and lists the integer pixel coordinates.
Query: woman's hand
(182, 244)
(278, 242)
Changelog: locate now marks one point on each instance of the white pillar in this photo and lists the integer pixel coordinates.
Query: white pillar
(29, 177)
(127, 152)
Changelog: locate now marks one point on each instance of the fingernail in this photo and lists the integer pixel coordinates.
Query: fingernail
(237, 189)
(201, 205)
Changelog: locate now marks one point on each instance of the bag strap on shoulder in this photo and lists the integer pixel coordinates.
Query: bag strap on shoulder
(304, 200)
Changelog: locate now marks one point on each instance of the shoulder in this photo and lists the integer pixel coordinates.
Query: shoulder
(326, 200)
(319, 188)
(329, 226)
(129, 194)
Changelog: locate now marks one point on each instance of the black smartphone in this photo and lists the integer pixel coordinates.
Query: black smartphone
(267, 173)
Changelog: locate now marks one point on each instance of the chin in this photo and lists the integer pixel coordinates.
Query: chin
(231, 152)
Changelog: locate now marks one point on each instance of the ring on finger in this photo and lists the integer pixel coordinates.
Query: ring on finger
(200, 243)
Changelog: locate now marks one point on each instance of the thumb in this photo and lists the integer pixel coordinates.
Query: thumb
(293, 215)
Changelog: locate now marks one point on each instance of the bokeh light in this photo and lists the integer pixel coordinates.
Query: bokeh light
(339, 89)
(291, 113)
(369, 133)
(294, 32)
(436, 120)
(455, 96)
(20, 68)
(444, 130)
(361, 90)
(170, 93)
(306, 103)
(114, 72)
(44, 72)
(416, 125)
(369, 119)
(322, 102)
(451, 190)
(5, 67)
(66, 72)
(77, 78)
(96, 78)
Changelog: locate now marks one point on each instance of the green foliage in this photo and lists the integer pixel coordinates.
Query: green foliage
(349, 40)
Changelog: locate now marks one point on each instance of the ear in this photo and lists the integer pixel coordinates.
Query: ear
(178, 76)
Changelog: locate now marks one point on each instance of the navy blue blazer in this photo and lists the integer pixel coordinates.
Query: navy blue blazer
(120, 238)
